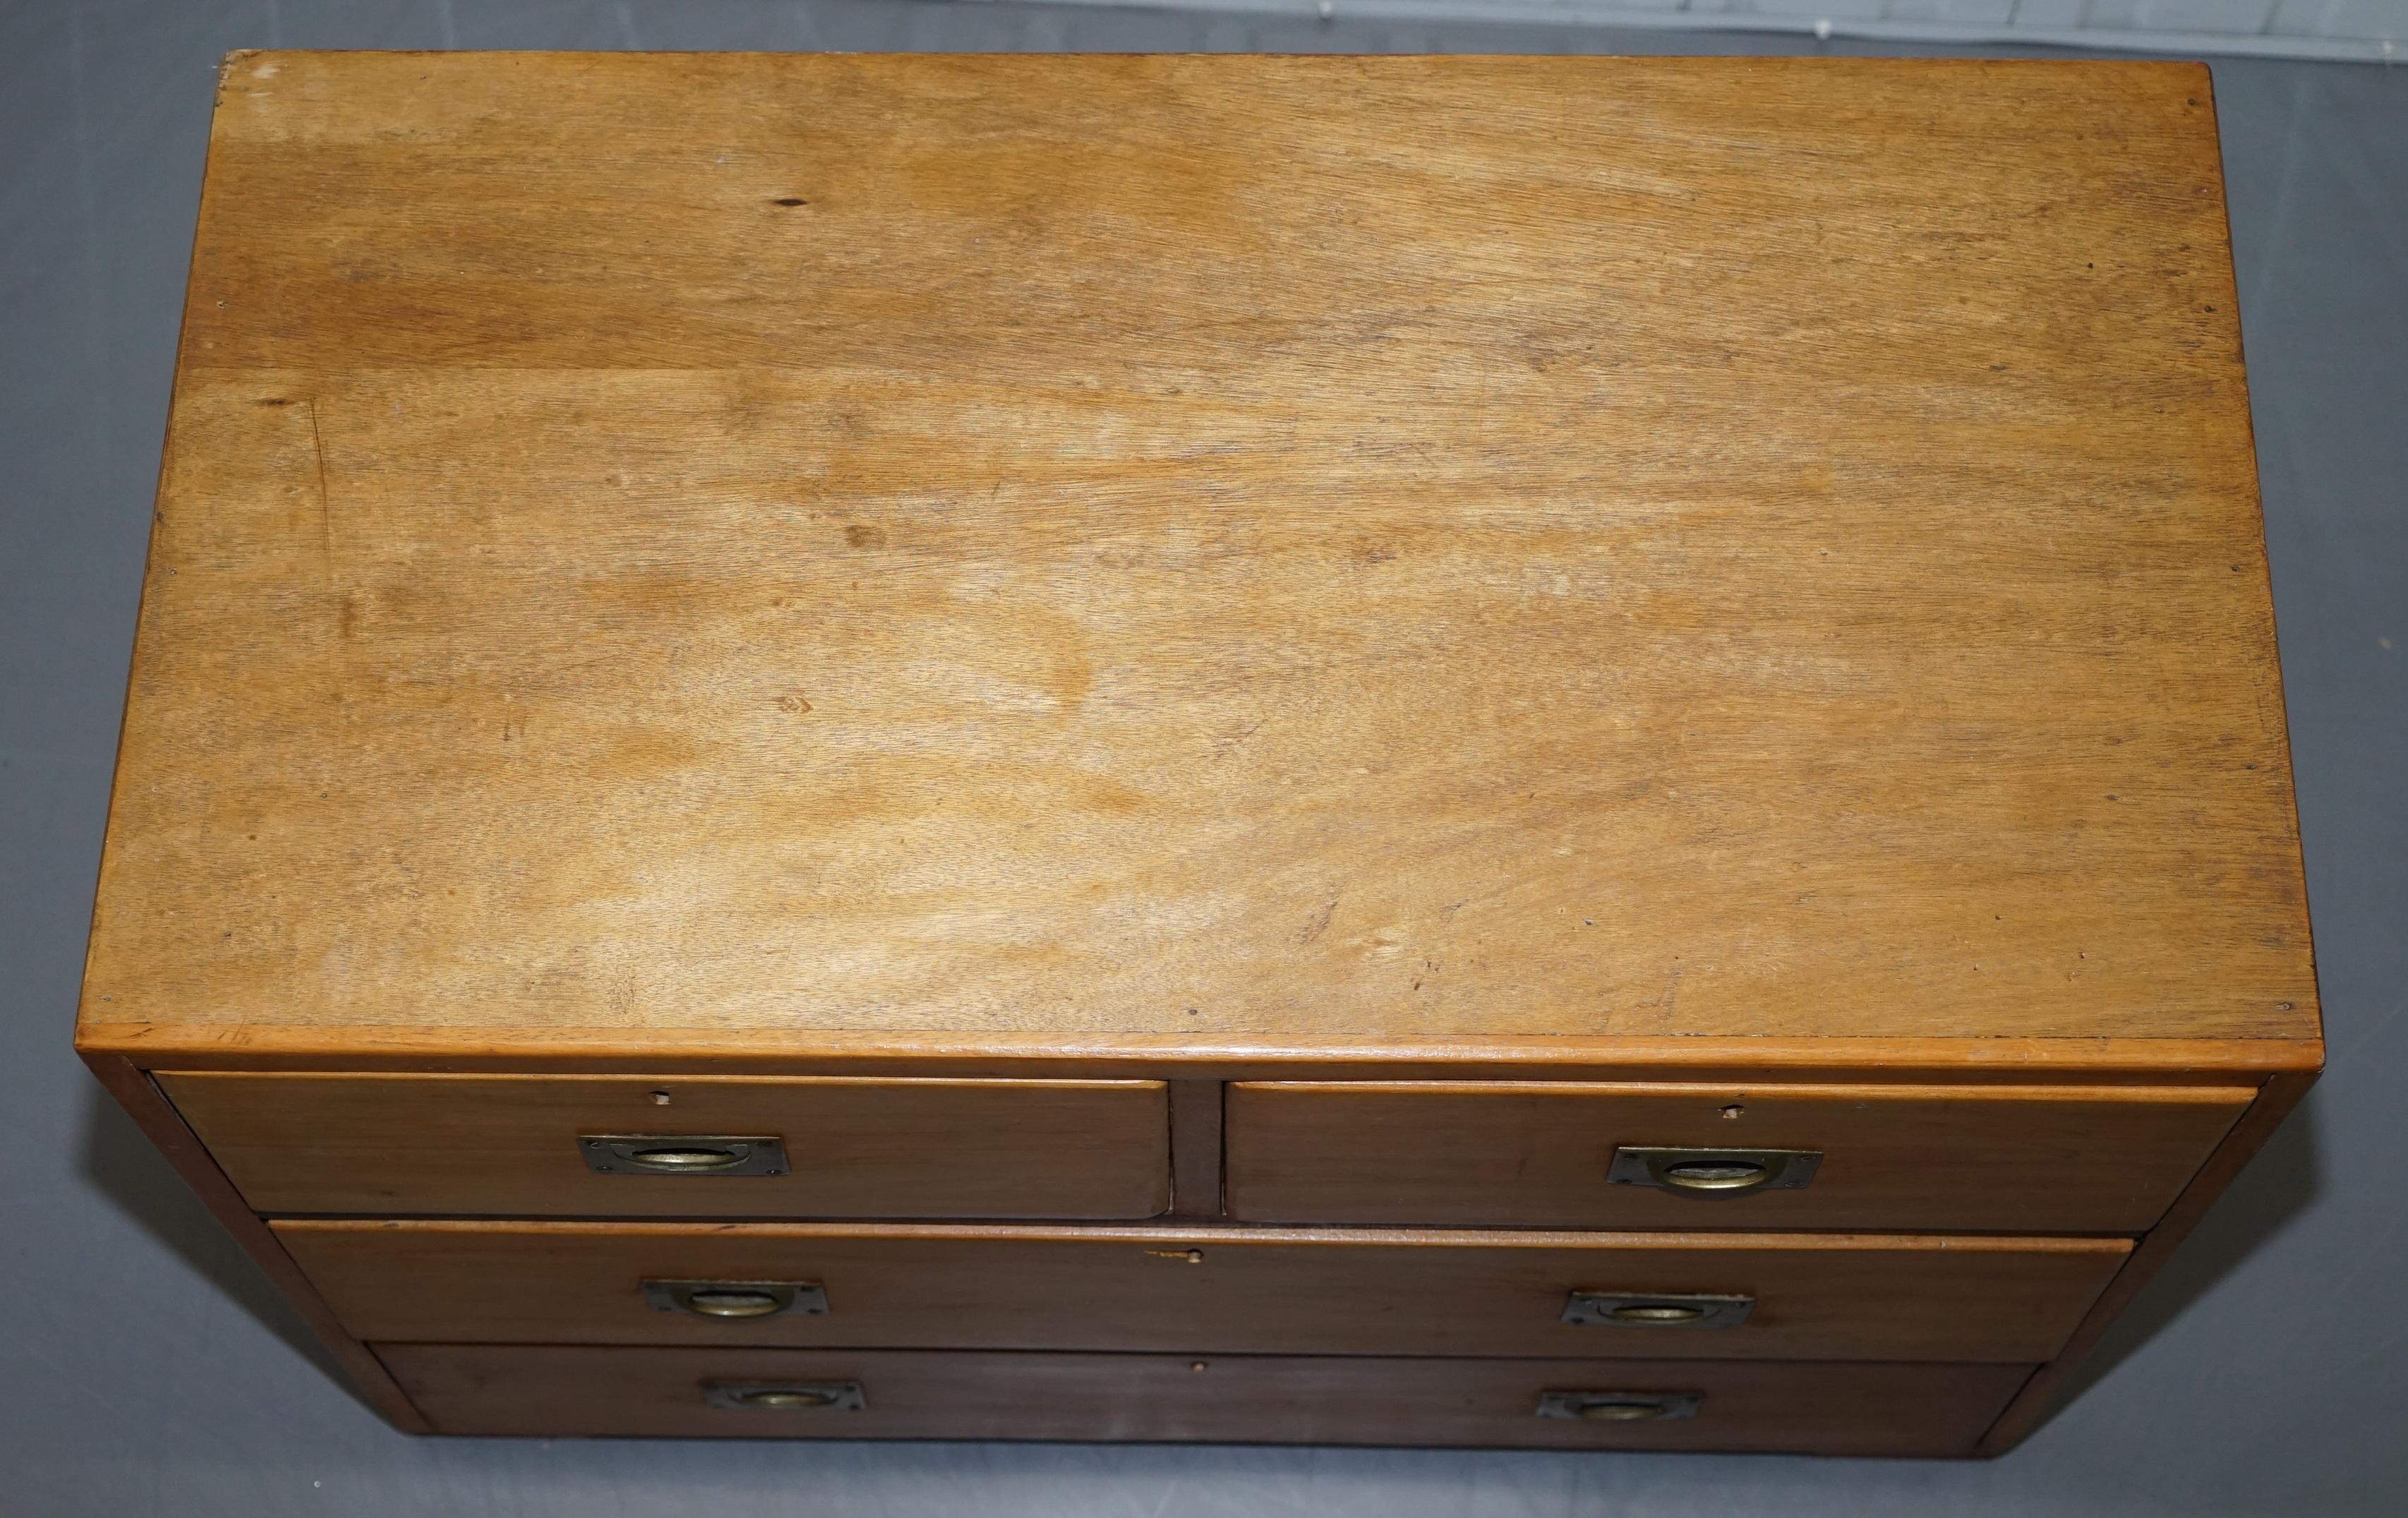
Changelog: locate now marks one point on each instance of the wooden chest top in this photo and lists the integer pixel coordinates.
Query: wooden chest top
(1104, 553)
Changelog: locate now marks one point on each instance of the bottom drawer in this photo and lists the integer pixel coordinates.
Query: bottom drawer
(1825, 1408)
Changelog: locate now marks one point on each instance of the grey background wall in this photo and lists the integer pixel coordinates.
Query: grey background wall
(2368, 30)
(145, 1367)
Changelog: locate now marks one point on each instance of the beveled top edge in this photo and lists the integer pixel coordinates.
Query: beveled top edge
(1858, 1060)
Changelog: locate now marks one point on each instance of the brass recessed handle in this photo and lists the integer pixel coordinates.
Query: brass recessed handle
(784, 1396)
(1657, 1310)
(735, 1300)
(678, 1153)
(1713, 1172)
(814, 1397)
(1699, 1175)
(683, 1160)
(1620, 1411)
(1620, 1407)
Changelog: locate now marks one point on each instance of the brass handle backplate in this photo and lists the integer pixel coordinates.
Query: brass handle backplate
(735, 1300)
(682, 1153)
(784, 1396)
(1713, 1172)
(1620, 1407)
(1657, 1310)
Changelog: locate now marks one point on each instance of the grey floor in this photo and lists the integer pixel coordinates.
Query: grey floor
(146, 1367)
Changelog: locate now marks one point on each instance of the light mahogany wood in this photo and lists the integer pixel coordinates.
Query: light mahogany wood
(2042, 1394)
(702, 1051)
(1195, 1149)
(946, 606)
(1251, 550)
(159, 1122)
(1844, 1409)
(1299, 1291)
(507, 1144)
(2013, 1159)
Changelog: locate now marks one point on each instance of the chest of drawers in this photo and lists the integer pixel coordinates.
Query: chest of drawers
(1569, 752)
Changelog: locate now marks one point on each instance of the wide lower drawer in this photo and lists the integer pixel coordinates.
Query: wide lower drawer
(2012, 1159)
(1832, 1408)
(685, 1146)
(1730, 1296)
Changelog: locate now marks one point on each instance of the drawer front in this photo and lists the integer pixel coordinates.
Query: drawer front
(528, 1145)
(2007, 1159)
(1828, 1297)
(1834, 1409)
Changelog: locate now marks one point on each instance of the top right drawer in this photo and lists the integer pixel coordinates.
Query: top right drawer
(1993, 1158)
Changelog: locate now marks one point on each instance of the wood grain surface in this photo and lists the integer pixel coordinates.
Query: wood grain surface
(509, 1145)
(776, 1051)
(1246, 550)
(1303, 1292)
(1195, 1148)
(2051, 1382)
(1840, 1408)
(160, 1123)
(2012, 1159)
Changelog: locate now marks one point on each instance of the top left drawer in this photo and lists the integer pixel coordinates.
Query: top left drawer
(588, 1146)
